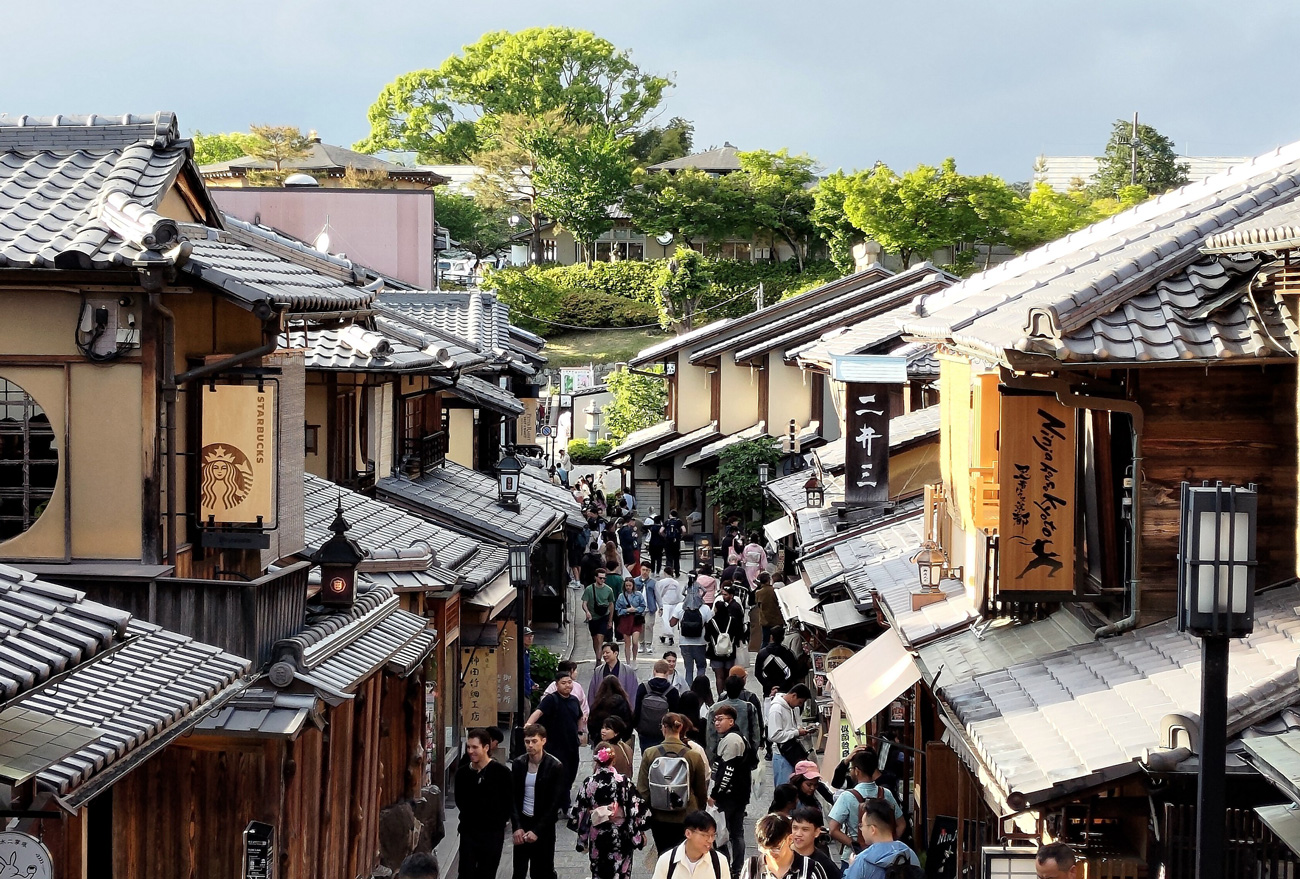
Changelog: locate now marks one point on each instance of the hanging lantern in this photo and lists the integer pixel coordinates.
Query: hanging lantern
(508, 474)
(338, 558)
(815, 491)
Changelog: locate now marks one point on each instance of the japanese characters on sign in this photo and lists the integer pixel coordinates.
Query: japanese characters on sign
(507, 668)
(1037, 472)
(478, 693)
(238, 473)
(866, 466)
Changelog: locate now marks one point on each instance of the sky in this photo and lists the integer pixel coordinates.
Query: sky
(850, 82)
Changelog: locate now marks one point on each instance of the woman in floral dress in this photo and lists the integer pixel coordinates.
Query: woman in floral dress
(612, 820)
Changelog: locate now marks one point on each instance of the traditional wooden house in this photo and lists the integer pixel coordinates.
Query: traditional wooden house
(739, 378)
(140, 354)
(1081, 384)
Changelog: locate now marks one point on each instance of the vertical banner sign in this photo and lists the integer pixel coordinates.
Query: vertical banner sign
(237, 461)
(866, 459)
(478, 694)
(1036, 516)
(508, 668)
(526, 424)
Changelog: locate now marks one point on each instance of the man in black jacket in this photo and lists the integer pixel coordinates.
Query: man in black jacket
(655, 698)
(731, 782)
(538, 796)
(483, 811)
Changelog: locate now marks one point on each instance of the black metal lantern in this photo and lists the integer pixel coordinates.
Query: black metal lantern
(815, 491)
(519, 565)
(508, 475)
(338, 558)
(1216, 555)
(932, 564)
(764, 469)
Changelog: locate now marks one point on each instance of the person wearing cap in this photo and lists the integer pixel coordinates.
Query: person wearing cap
(864, 767)
(808, 780)
(529, 686)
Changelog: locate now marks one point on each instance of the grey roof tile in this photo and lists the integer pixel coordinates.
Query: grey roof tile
(646, 436)
(1064, 709)
(357, 349)
(691, 440)
(487, 394)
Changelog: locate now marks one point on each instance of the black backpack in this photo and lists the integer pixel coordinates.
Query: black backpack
(692, 624)
(903, 868)
(672, 861)
(654, 705)
(673, 530)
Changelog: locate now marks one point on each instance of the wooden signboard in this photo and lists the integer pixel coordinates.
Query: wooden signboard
(508, 668)
(1036, 496)
(478, 692)
(866, 459)
(238, 473)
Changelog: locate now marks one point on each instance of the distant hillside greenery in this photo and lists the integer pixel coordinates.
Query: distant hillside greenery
(622, 294)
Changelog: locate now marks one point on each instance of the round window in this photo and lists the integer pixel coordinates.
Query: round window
(29, 460)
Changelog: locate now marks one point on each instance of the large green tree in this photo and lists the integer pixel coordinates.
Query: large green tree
(912, 214)
(481, 230)
(639, 402)
(449, 113)
(692, 205)
(832, 223)
(783, 202)
(656, 144)
(735, 488)
(1158, 168)
(581, 174)
(683, 281)
(212, 148)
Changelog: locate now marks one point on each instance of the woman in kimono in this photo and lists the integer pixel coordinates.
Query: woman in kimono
(612, 820)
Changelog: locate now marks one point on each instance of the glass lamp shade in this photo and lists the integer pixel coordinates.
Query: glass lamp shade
(1216, 571)
(930, 562)
(519, 569)
(816, 493)
(508, 471)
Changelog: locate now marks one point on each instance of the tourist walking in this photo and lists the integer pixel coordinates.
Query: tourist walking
(598, 609)
(484, 812)
(731, 780)
(561, 715)
(611, 819)
(673, 779)
(654, 699)
(630, 612)
(538, 797)
(694, 857)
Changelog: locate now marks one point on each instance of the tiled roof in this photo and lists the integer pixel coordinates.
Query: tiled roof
(422, 336)
(465, 499)
(253, 268)
(338, 649)
(724, 158)
(858, 338)
(104, 691)
(916, 425)
(475, 317)
(817, 525)
(539, 485)
(1275, 229)
(686, 441)
(261, 711)
(1064, 285)
(876, 559)
(1003, 644)
(376, 525)
(850, 305)
(646, 436)
(323, 158)
(487, 394)
(82, 192)
(357, 349)
(1201, 313)
(711, 450)
(1074, 718)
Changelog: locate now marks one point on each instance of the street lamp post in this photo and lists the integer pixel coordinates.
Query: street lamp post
(763, 470)
(508, 474)
(520, 579)
(1216, 597)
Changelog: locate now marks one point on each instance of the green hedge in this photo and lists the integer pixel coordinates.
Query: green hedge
(582, 453)
(587, 296)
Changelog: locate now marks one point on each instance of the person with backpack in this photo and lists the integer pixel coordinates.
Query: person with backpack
(695, 857)
(598, 608)
(674, 780)
(734, 759)
(844, 822)
(808, 827)
(674, 533)
(689, 619)
(777, 668)
(656, 542)
(654, 699)
(883, 856)
(725, 634)
(748, 720)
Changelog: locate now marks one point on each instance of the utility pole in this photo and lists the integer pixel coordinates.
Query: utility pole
(1133, 160)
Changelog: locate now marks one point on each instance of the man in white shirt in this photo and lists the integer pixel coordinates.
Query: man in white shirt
(784, 731)
(695, 858)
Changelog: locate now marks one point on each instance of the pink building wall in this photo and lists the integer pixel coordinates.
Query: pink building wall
(389, 230)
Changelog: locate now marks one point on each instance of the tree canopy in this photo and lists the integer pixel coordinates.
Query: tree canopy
(1158, 168)
(478, 229)
(683, 281)
(212, 148)
(580, 174)
(735, 488)
(778, 184)
(450, 113)
(656, 144)
(639, 402)
(832, 223)
(691, 205)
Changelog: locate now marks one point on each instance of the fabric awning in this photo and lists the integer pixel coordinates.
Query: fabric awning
(778, 529)
(495, 596)
(797, 603)
(873, 677)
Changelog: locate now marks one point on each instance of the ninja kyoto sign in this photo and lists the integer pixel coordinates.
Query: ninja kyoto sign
(866, 459)
(1037, 476)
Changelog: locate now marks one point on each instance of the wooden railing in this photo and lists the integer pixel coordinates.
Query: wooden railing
(424, 453)
(985, 497)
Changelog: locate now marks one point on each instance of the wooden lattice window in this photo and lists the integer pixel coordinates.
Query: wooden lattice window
(29, 460)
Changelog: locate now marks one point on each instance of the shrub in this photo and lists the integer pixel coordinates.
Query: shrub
(592, 308)
(583, 453)
(542, 663)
